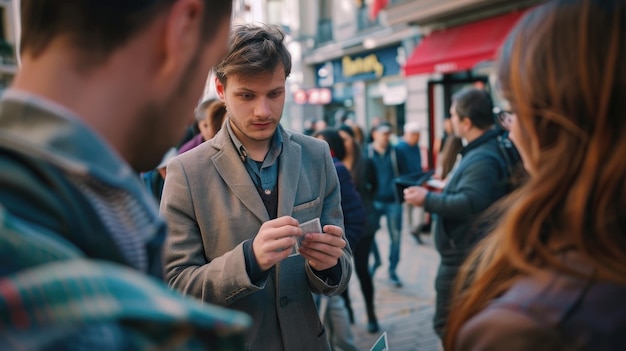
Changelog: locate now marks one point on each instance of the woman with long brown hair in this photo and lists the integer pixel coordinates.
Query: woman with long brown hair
(364, 177)
(552, 274)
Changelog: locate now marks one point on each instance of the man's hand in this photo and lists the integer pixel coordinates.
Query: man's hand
(415, 195)
(323, 250)
(275, 241)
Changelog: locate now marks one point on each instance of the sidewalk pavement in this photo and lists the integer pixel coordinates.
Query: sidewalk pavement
(404, 313)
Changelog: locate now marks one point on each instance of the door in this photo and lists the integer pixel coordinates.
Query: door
(440, 94)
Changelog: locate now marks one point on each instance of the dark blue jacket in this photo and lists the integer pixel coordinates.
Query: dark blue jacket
(351, 204)
(388, 166)
(409, 157)
(479, 180)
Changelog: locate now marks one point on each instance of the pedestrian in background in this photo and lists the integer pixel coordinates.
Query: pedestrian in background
(337, 317)
(480, 180)
(154, 179)
(448, 155)
(234, 205)
(89, 108)
(210, 116)
(386, 200)
(552, 274)
(364, 176)
(408, 149)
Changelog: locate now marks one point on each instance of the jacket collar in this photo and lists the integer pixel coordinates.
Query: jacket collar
(486, 137)
(49, 131)
(45, 130)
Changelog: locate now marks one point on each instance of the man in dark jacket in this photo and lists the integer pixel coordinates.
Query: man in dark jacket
(480, 179)
(388, 166)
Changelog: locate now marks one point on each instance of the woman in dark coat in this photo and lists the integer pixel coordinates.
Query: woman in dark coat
(354, 222)
(364, 176)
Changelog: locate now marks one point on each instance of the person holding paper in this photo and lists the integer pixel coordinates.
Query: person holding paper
(234, 205)
(479, 180)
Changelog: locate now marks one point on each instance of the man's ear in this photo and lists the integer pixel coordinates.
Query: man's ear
(181, 39)
(219, 88)
(466, 122)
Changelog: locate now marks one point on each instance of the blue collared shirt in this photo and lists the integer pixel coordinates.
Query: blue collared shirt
(265, 174)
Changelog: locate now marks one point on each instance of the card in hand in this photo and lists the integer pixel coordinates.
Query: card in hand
(312, 226)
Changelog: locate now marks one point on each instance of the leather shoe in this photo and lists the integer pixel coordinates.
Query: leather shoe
(372, 327)
(395, 280)
(417, 237)
(373, 268)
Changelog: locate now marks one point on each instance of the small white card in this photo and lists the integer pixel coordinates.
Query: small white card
(312, 226)
(436, 183)
(381, 344)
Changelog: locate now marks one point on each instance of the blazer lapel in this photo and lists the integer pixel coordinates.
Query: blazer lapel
(233, 172)
(288, 175)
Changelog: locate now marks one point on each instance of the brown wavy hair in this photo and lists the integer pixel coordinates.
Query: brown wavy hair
(562, 68)
(254, 49)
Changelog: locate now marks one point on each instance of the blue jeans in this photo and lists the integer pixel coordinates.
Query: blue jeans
(393, 212)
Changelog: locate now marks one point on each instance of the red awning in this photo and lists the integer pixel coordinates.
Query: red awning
(462, 47)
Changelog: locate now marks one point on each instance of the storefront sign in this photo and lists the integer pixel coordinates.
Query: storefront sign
(369, 65)
(360, 65)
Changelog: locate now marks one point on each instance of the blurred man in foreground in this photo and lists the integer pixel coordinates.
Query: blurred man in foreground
(98, 98)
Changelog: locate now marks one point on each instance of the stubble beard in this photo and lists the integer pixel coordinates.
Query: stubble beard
(155, 133)
(239, 132)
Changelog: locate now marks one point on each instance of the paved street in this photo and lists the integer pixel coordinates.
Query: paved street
(404, 313)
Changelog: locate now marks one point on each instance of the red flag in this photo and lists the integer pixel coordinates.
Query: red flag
(376, 6)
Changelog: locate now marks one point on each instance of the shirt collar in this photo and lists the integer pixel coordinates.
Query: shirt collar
(71, 141)
(276, 145)
(485, 137)
(41, 102)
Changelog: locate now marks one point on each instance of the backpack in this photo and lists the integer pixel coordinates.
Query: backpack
(513, 164)
(514, 174)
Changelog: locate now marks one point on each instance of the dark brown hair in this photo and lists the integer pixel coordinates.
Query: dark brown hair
(562, 68)
(332, 137)
(215, 114)
(475, 104)
(97, 27)
(254, 49)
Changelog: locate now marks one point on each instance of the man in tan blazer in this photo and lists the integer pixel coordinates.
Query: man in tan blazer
(234, 205)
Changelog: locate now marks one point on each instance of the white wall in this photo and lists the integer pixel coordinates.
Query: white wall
(416, 106)
(344, 19)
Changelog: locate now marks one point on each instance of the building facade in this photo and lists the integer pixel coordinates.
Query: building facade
(9, 34)
(399, 64)
(386, 60)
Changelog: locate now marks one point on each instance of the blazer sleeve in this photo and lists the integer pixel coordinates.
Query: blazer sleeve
(221, 281)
